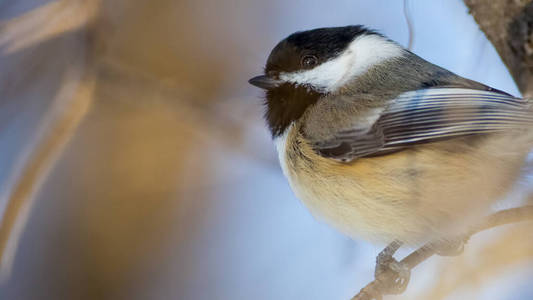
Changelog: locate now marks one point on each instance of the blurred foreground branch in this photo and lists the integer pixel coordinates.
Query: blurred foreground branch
(57, 130)
(67, 109)
(374, 290)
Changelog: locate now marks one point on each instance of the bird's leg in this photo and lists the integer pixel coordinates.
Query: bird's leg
(401, 273)
(384, 258)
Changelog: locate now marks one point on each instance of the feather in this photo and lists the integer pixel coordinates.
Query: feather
(430, 115)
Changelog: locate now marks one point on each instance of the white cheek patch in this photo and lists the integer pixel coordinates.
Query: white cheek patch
(362, 53)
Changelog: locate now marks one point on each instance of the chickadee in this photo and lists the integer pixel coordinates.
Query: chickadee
(384, 145)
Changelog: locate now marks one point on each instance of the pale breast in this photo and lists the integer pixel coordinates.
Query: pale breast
(426, 192)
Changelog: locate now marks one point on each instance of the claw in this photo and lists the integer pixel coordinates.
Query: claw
(401, 273)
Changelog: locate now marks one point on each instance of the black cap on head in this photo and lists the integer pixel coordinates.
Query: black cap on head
(322, 43)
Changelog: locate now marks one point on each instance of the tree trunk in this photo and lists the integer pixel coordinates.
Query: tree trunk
(508, 24)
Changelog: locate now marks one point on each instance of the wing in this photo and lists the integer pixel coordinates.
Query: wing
(429, 115)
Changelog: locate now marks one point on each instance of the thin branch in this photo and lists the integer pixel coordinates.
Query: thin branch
(374, 290)
(409, 21)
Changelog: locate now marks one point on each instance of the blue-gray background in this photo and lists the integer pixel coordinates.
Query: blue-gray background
(170, 187)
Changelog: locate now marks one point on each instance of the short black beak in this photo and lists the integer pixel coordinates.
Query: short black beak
(264, 82)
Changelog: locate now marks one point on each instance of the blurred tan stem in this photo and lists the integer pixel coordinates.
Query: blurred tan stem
(61, 119)
(70, 106)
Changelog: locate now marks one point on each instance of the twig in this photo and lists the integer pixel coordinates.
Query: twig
(409, 21)
(374, 290)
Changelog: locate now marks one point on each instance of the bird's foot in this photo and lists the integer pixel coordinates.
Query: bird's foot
(400, 272)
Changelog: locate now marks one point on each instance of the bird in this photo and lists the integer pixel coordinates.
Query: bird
(383, 145)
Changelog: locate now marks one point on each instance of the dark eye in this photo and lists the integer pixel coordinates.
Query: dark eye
(309, 61)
